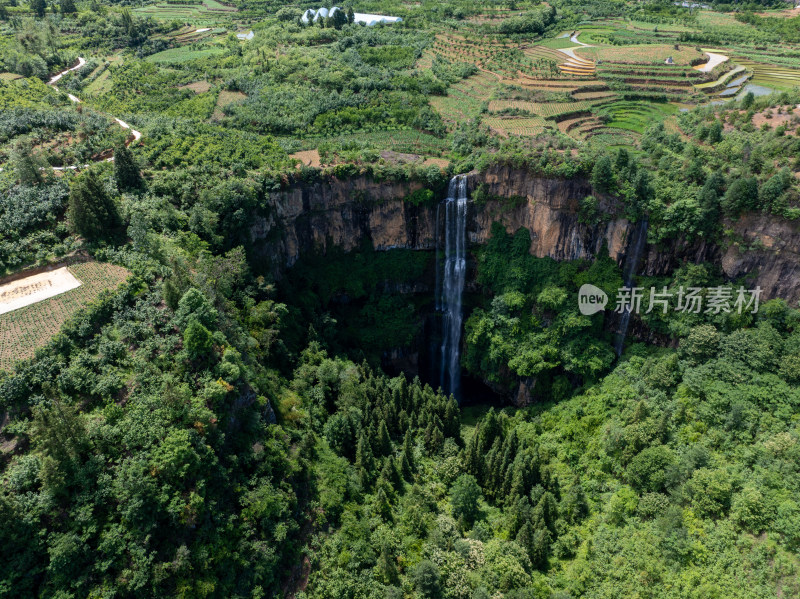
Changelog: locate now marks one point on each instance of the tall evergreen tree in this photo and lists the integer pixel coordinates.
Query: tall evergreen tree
(387, 566)
(126, 171)
(465, 496)
(603, 174)
(339, 19)
(68, 7)
(407, 459)
(39, 7)
(365, 462)
(25, 165)
(91, 212)
(384, 443)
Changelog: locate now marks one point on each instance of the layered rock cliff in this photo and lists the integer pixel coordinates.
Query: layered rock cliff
(767, 251)
(347, 213)
(344, 214)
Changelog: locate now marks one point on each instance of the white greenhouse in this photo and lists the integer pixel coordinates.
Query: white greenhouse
(312, 16)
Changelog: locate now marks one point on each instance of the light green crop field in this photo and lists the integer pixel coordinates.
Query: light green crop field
(184, 54)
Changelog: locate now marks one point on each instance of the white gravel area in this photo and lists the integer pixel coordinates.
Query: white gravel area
(35, 288)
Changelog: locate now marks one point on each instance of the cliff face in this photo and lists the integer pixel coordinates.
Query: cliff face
(549, 209)
(769, 251)
(345, 214)
(348, 213)
(340, 214)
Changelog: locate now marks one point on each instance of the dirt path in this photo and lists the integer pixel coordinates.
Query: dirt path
(571, 51)
(574, 40)
(714, 59)
(55, 78)
(137, 135)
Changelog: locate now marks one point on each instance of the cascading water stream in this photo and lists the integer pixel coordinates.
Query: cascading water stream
(628, 274)
(451, 281)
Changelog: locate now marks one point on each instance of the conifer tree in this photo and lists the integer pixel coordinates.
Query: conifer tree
(126, 171)
(382, 506)
(384, 443)
(387, 566)
(575, 504)
(25, 165)
(525, 537)
(91, 211)
(365, 462)
(39, 7)
(540, 548)
(407, 459)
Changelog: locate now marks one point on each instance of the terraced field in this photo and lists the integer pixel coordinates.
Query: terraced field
(775, 77)
(465, 99)
(641, 54)
(544, 109)
(636, 116)
(184, 54)
(208, 11)
(607, 91)
(526, 126)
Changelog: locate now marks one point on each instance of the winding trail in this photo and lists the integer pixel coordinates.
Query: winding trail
(574, 40)
(137, 135)
(55, 78)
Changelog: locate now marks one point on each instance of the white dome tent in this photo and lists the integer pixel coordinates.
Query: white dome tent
(312, 16)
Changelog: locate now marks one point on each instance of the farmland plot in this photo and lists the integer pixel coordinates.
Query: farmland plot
(26, 329)
(526, 126)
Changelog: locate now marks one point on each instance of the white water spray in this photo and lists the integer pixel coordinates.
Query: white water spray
(452, 279)
(628, 274)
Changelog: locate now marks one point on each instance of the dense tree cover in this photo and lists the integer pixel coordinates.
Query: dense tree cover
(207, 432)
(676, 468)
(729, 168)
(91, 212)
(356, 304)
(530, 326)
(181, 450)
(138, 486)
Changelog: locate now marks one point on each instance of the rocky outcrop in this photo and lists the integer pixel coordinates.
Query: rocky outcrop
(349, 213)
(549, 209)
(346, 214)
(767, 252)
(341, 214)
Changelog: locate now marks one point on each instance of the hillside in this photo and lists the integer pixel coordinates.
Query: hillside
(487, 300)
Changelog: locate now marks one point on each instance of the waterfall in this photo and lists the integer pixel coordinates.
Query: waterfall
(628, 274)
(450, 284)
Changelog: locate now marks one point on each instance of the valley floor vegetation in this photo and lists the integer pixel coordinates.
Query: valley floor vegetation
(205, 429)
